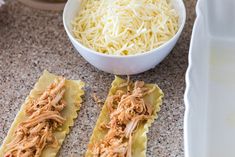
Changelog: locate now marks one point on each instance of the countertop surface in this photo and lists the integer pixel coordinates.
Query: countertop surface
(32, 40)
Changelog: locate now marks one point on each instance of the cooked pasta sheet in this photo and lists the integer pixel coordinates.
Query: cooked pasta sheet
(127, 114)
(44, 118)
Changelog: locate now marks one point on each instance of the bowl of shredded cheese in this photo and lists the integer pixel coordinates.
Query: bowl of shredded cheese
(124, 36)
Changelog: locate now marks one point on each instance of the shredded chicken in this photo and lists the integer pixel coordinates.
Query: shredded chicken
(36, 132)
(97, 100)
(127, 109)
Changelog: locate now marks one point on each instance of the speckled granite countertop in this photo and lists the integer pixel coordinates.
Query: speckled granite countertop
(32, 40)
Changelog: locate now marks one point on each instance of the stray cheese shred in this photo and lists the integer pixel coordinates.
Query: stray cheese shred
(125, 27)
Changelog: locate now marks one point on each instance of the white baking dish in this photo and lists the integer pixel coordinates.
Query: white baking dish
(209, 126)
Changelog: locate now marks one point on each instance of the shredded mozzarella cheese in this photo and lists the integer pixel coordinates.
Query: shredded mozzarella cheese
(125, 27)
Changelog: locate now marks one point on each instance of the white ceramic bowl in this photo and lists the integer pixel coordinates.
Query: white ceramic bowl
(122, 65)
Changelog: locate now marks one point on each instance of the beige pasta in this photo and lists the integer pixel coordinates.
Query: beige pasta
(128, 112)
(45, 118)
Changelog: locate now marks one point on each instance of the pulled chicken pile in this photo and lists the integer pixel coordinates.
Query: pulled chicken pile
(36, 132)
(127, 109)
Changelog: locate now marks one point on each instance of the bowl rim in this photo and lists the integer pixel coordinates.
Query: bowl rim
(178, 33)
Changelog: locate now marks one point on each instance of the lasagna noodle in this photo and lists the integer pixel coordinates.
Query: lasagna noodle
(139, 139)
(72, 97)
